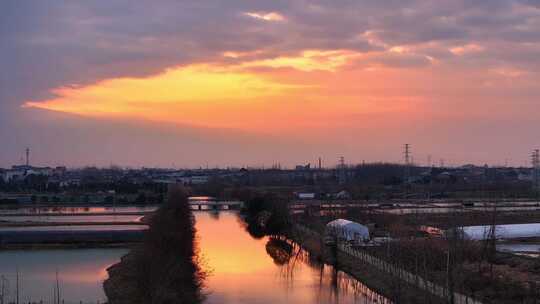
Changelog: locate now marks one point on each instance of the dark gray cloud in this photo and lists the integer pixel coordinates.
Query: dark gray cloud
(48, 44)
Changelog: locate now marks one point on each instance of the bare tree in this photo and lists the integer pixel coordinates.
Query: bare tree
(3, 289)
(491, 239)
(17, 286)
(57, 289)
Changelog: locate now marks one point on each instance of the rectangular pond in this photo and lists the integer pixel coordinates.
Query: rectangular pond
(81, 273)
(71, 218)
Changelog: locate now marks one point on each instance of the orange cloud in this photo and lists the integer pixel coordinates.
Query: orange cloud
(315, 91)
(196, 94)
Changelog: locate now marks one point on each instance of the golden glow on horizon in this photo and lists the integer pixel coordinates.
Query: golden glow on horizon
(314, 89)
(175, 95)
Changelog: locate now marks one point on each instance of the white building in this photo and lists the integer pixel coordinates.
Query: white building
(502, 231)
(346, 230)
(21, 172)
(305, 195)
(13, 174)
(199, 179)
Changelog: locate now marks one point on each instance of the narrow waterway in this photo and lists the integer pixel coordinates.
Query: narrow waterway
(249, 270)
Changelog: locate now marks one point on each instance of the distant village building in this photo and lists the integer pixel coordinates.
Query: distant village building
(346, 230)
(303, 167)
(433, 231)
(13, 174)
(510, 231)
(198, 180)
(343, 194)
(305, 195)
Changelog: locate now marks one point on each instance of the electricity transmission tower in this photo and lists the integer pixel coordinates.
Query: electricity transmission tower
(407, 155)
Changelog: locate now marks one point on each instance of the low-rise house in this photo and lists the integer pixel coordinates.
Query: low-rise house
(13, 174)
(343, 194)
(305, 195)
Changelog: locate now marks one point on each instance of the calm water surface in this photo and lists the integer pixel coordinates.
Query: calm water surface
(78, 210)
(76, 228)
(81, 273)
(244, 272)
(73, 218)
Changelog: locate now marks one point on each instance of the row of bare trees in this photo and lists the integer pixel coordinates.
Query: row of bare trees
(166, 267)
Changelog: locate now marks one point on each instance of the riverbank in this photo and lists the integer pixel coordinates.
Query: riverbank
(121, 285)
(387, 285)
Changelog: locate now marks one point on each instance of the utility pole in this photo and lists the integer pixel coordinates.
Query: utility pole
(57, 289)
(535, 160)
(27, 157)
(3, 289)
(342, 174)
(17, 286)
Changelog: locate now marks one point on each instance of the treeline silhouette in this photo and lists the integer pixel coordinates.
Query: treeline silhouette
(266, 214)
(165, 268)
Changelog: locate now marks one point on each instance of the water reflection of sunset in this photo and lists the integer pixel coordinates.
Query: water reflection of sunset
(243, 272)
(225, 250)
(81, 272)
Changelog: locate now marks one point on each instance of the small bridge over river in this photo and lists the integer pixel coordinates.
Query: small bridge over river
(206, 203)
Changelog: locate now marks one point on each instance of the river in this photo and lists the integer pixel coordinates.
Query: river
(242, 269)
(243, 272)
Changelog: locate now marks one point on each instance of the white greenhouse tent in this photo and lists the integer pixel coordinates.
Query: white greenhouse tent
(347, 230)
(503, 231)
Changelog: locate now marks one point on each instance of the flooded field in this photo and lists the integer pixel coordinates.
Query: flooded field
(242, 269)
(531, 250)
(76, 210)
(74, 228)
(72, 218)
(81, 273)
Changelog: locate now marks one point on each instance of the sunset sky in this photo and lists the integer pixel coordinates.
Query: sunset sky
(217, 83)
